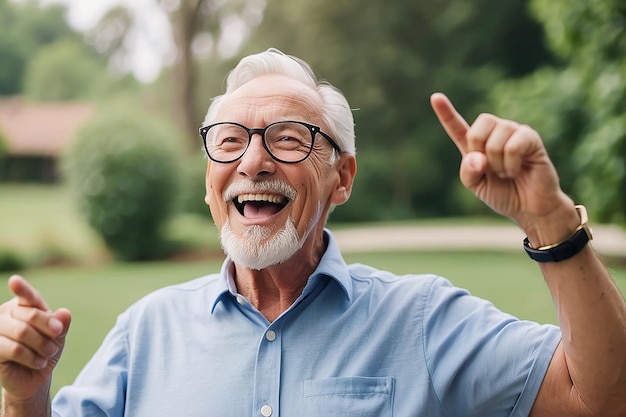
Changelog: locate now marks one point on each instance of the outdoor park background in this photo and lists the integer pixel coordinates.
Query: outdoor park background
(554, 65)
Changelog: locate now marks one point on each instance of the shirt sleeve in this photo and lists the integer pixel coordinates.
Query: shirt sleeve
(482, 362)
(99, 389)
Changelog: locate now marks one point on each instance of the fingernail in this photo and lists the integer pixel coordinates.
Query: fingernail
(55, 325)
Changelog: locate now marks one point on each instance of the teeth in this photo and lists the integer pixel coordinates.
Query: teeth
(271, 198)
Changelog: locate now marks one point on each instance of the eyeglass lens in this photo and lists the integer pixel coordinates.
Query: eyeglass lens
(285, 141)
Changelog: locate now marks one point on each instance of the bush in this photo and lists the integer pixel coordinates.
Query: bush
(11, 261)
(193, 187)
(124, 168)
(4, 150)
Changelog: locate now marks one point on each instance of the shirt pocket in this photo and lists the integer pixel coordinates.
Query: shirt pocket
(349, 396)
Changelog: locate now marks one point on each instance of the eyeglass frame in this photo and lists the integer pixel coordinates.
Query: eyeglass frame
(313, 129)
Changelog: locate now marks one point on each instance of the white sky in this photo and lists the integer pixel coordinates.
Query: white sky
(150, 43)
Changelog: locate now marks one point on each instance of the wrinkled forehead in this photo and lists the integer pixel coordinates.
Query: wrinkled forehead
(271, 98)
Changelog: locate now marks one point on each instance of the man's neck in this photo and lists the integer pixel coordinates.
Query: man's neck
(274, 289)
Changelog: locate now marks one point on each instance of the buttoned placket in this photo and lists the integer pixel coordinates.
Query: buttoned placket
(267, 362)
(267, 374)
(266, 401)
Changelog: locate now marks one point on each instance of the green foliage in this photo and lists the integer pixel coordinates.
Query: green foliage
(388, 59)
(11, 65)
(10, 260)
(193, 187)
(550, 100)
(45, 59)
(124, 167)
(3, 152)
(25, 28)
(63, 70)
(579, 107)
(602, 160)
(589, 29)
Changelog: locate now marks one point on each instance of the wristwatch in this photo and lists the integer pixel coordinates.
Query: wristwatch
(567, 248)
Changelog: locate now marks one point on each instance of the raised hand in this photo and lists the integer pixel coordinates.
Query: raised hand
(505, 164)
(31, 340)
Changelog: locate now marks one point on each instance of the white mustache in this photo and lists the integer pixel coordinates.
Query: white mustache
(273, 187)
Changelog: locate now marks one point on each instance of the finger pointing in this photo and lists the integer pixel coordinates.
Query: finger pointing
(26, 294)
(453, 123)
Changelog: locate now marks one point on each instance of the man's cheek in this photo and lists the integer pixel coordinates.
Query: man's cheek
(216, 206)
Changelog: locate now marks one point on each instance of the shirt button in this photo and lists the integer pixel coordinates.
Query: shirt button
(271, 336)
(266, 411)
(240, 299)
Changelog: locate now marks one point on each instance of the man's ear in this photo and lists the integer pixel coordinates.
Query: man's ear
(207, 185)
(346, 168)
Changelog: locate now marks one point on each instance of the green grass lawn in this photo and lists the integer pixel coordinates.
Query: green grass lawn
(37, 219)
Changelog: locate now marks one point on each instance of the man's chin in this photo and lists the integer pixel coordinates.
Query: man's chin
(257, 248)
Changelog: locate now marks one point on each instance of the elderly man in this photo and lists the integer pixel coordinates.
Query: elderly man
(287, 328)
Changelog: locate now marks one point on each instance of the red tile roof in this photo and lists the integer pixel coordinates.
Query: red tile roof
(40, 129)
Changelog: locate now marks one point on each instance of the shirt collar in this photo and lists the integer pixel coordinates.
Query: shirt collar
(227, 281)
(331, 265)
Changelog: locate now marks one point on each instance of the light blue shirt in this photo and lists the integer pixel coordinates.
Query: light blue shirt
(357, 342)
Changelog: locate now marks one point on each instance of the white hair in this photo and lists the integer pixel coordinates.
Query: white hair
(336, 112)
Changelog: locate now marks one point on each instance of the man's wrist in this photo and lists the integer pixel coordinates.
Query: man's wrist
(556, 226)
(564, 249)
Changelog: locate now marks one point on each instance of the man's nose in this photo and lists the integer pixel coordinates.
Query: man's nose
(256, 161)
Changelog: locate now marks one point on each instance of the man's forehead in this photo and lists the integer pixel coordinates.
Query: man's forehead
(276, 95)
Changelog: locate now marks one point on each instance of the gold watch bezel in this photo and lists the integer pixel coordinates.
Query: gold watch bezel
(584, 220)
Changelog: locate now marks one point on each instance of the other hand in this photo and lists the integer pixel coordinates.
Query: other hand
(31, 341)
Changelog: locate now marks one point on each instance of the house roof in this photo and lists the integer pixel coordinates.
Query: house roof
(40, 129)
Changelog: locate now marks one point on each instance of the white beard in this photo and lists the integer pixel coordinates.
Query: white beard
(255, 251)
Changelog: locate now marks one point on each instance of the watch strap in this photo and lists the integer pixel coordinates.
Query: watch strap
(566, 249)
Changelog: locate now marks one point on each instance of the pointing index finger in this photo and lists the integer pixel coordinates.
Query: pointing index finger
(453, 123)
(26, 295)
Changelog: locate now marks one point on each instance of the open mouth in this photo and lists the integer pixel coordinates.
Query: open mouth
(254, 206)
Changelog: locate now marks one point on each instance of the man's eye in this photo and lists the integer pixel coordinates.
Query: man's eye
(231, 140)
(231, 143)
(287, 139)
(286, 142)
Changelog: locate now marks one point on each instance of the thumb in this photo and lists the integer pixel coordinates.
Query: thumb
(65, 317)
(473, 168)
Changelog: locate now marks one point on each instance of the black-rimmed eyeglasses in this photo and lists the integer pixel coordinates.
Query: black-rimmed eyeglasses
(286, 141)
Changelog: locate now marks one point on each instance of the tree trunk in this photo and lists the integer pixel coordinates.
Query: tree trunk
(184, 24)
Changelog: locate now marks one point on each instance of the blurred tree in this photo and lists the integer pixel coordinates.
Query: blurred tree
(11, 65)
(580, 106)
(25, 28)
(64, 70)
(3, 153)
(388, 59)
(197, 26)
